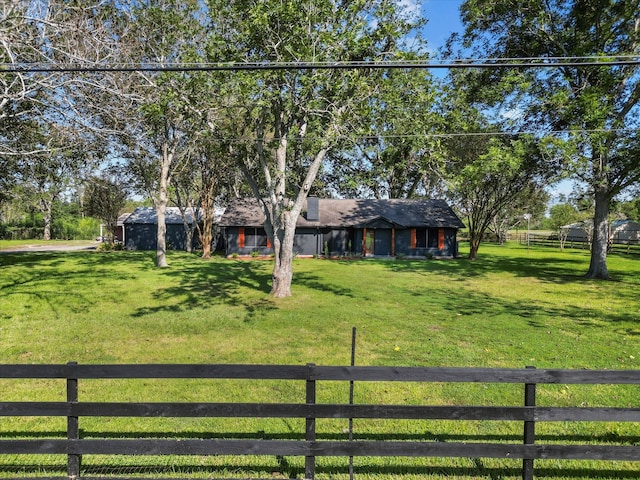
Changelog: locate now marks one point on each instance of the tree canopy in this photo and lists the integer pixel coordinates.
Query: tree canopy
(490, 139)
(594, 110)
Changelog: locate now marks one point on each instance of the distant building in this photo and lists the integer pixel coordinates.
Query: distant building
(625, 231)
(577, 232)
(620, 231)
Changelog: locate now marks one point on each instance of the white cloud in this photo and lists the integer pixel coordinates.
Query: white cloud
(412, 9)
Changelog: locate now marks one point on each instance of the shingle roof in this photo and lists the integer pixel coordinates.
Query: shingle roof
(341, 213)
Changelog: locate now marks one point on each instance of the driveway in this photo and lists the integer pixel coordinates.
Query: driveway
(62, 247)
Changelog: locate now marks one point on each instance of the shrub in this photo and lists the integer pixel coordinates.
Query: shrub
(73, 228)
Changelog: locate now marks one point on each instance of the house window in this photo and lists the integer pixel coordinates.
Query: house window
(433, 238)
(419, 237)
(255, 237)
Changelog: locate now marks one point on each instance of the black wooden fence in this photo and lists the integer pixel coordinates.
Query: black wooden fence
(528, 413)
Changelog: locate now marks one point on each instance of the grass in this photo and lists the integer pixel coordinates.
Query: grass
(510, 308)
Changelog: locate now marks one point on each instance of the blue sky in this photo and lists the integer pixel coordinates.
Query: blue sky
(443, 19)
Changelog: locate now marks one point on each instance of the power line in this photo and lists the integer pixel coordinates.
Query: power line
(537, 133)
(530, 62)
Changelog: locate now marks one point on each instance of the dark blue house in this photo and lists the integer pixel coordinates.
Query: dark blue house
(141, 227)
(368, 227)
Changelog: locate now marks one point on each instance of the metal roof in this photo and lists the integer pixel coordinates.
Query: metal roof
(342, 213)
(147, 215)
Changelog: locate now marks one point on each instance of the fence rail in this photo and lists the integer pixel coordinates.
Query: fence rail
(528, 413)
(615, 244)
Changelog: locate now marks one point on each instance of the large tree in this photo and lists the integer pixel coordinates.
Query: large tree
(53, 161)
(596, 106)
(397, 157)
(294, 117)
(142, 111)
(39, 124)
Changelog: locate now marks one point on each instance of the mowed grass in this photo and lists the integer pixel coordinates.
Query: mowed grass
(512, 307)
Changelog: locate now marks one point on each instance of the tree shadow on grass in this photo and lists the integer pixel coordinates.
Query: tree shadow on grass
(63, 279)
(549, 269)
(67, 279)
(315, 282)
(202, 283)
(468, 302)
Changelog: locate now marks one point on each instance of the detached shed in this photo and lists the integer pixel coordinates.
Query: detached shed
(367, 227)
(141, 229)
(625, 231)
(576, 232)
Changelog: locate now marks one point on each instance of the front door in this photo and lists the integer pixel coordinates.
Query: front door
(369, 242)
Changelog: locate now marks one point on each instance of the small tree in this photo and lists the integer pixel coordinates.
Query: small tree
(487, 178)
(561, 215)
(104, 198)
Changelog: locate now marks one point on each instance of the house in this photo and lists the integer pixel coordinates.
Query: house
(368, 227)
(141, 229)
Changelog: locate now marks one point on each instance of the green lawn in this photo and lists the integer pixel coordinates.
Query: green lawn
(509, 308)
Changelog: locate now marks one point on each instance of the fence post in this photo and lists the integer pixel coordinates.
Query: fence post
(73, 427)
(310, 436)
(351, 390)
(529, 428)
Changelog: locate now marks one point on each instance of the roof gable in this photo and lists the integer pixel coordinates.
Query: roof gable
(379, 222)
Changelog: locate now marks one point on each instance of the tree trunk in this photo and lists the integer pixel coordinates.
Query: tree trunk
(206, 241)
(161, 246)
(161, 208)
(189, 238)
(282, 274)
(600, 242)
(474, 245)
(47, 215)
(206, 234)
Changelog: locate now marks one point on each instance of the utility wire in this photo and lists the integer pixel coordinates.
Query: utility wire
(539, 133)
(532, 62)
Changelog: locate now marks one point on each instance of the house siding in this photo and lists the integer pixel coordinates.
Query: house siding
(141, 230)
(140, 236)
(308, 241)
(145, 237)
